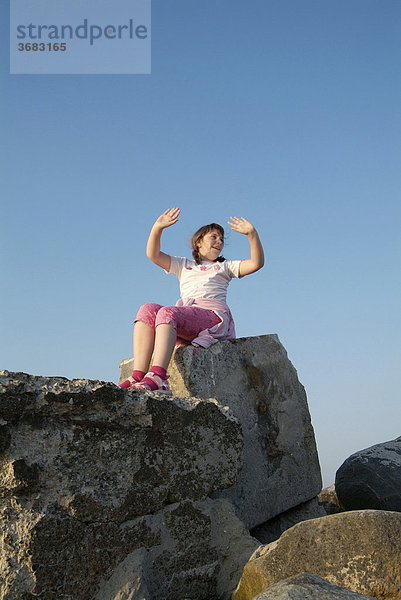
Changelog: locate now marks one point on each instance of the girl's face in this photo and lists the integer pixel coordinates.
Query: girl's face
(210, 245)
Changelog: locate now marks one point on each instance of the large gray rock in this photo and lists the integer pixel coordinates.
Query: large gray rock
(308, 587)
(105, 489)
(371, 478)
(358, 550)
(254, 377)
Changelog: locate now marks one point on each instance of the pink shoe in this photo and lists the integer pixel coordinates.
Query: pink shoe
(128, 383)
(162, 384)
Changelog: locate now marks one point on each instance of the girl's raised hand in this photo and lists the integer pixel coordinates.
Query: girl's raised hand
(241, 225)
(168, 218)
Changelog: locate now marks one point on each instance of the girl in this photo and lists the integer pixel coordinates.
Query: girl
(201, 316)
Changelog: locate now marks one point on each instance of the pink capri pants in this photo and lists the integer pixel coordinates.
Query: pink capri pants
(188, 321)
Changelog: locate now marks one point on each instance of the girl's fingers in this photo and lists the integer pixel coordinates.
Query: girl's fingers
(239, 220)
(240, 224)
(172, 213)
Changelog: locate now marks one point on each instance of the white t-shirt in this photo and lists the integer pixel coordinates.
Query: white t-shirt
(207, 280)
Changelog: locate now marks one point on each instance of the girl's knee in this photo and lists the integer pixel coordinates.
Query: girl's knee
(147, 313)
(166, 315)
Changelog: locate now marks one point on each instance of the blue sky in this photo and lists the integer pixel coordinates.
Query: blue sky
(286, 112)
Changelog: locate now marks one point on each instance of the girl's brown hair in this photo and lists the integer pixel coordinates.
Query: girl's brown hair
(198, 235)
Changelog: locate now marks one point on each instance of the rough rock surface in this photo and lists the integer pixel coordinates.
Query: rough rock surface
(199, 554)
(95, 481)
(328, 500)
(307, 586)
(371, 478)
(254, 377)
(272, 530)
(359, 550)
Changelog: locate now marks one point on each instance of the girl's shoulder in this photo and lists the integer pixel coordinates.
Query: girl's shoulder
(179, 264)
(232, 267)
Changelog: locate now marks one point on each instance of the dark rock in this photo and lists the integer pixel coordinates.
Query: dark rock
(5, 438)
(371, 478)
(26, 476)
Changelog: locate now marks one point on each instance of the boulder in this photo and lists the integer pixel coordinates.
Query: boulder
(308, 587)
(371, 478)
(255, 379)
(107, 489)
(357, 550)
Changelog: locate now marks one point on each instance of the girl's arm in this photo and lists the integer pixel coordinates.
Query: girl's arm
(257, 259)
(168, 218)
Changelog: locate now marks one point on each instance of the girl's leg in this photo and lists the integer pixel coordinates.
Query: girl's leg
(144, 335)
(188, 322)
(144, 338)
(165, 339)
(164, 342)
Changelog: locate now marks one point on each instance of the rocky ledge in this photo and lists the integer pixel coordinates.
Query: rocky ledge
(109, 494)
(97, 482)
